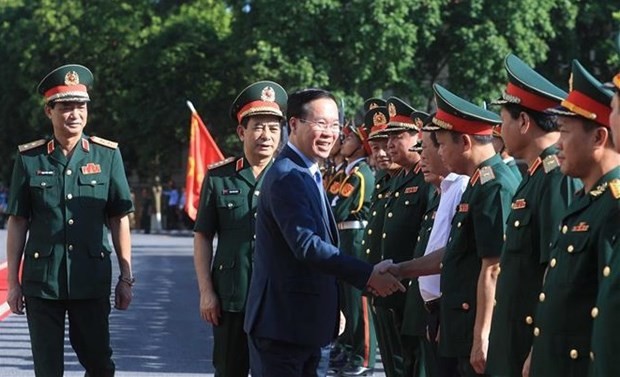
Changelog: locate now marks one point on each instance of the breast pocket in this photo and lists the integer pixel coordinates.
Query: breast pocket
(45, 191)
(518, 231)
(93, 190)
(37, 262)
(233, 211)
(579, 259)
(458, 233)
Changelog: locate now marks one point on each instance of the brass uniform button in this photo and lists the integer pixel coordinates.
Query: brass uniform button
(363, 242)
(606, 271)
(221, 267)
(591, 355)
(418, 238)
(574, 354)
(70, 222)
(564, 229)
(517, 223)
(570, 248)
(504, 237)
(458, 225)
(369, 231)
(465, 306)
(374, 213)
(254, 236)
(380, 196)
(529, 320)
(541, 297)
(536, 331)
(367, 251)
(384, 235)
(102, 255)
(396, 194)
(69, 171)
(425, 217)
(440, 265)
(43, 184)
(378, 186)
(406, 202)
(36, 255)
(553, 262)
(69, 196)
(390, 214)
(594, 312)
(70, 247)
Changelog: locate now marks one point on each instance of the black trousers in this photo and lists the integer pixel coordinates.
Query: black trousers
(89, 335)
(230, 346)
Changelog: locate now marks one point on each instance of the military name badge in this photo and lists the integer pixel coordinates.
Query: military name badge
(347, 190)
(91, 168)
(45, 172)
(464, 207)
(411, 190)
(581, 227)
(233, 191)
(519, 204)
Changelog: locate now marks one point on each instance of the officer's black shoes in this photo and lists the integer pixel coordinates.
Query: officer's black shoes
(352, 370)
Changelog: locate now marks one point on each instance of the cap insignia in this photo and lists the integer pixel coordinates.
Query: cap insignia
(378, 119)
(418, 122)
(72, 78)
(373, 105)
(392, 109)
(268, 94)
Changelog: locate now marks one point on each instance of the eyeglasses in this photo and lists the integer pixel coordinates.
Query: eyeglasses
(321, 125)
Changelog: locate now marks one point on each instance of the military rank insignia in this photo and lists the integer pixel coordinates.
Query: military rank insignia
(550, 162)
(464, 207)
(334, 188)
(486, 174)
(411, 190)
(614, 186)
(91, 168)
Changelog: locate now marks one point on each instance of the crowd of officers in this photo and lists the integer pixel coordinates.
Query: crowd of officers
(509, 271)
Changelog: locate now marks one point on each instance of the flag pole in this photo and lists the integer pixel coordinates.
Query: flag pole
(191, 106)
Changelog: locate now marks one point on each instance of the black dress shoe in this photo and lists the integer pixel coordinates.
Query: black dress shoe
(352, 370)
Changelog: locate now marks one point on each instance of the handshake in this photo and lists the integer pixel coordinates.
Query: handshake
(385, 279)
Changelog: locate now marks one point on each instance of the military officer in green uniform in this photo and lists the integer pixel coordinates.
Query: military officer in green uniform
(605, 331)
(540, 201)
(500, 148)
(68, 192)
(566, 308)
(228, 199)
(350, 206)
(470, 260)
(404, 212)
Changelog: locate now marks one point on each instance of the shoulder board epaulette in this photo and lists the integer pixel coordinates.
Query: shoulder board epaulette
(104, 142)
(221, 163)
(550, 162)
(614, 187)
(31, 145)
(486, 174)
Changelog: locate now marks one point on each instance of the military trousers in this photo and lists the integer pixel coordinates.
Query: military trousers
(89, 335)
(388, 325)
(230, 346)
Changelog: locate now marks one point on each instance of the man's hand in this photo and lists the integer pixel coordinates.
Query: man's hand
(122, 295)
(478, 356)
(15, 299)
(210, 308)
(381, 282)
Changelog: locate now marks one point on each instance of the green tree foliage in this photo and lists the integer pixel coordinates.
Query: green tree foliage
(149, 56)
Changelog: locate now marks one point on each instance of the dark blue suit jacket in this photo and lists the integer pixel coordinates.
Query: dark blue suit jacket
(293, 293)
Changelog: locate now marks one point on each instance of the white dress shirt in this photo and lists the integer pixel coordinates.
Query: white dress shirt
(452, 188)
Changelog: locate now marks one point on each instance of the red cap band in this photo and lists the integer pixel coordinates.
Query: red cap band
(401, 119)
(470, 127)
(57, 91)
(259, 106)
(529, 99)
(587, 107)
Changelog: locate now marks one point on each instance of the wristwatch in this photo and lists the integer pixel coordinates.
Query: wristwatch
(129, 280)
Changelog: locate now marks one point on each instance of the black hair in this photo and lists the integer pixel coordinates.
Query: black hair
(433, 138)
(544, 121)
(296, 105)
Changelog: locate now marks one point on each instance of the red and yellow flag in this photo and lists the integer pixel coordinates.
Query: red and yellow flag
(203, 151)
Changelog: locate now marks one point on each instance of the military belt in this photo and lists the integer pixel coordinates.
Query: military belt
(344, 225)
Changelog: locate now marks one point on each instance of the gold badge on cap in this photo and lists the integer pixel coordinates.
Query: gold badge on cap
(72, 78)
(268, 94)
(418, 122)
(392, 109)
(373, 105)
(378, 119)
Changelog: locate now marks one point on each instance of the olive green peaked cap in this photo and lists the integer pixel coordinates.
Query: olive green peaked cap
(400, 116)
(456, 114)
(260, 98)
(377, 118)
(528, 88)
(371, 103)
(587, 98)
(68, 83)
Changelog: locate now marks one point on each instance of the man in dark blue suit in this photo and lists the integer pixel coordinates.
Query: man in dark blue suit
(292, 308)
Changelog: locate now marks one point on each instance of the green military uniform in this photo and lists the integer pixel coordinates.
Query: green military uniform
(477, 229)
(414, 315)
(228, 201)
(352, 203)
(606, 324)
(409, 195)
(67, 266)
(540, 201)
(566, 308)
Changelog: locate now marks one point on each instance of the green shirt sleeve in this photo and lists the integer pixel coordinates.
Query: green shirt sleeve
(489, 219)
(207, 219)
(19, 195)
(119, 196)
